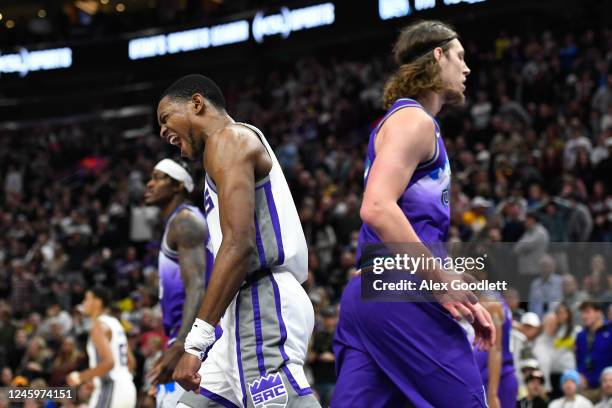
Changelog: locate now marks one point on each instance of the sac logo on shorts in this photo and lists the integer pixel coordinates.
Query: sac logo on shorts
(269, 392)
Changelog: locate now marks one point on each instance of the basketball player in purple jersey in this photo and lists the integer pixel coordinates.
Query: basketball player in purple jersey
(390, 354)
(497, 364)
(184, 267)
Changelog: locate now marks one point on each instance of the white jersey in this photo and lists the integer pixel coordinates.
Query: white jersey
(119, 350)
(280, 242)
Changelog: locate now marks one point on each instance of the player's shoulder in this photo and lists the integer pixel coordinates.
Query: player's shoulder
(408, 119)
(187, 226)
(233, 140)
(188, 213)
(101, 326)
(408, 131)
(234, 132)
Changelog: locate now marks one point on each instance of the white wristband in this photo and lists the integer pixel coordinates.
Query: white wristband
(200, 338)
(75, 376)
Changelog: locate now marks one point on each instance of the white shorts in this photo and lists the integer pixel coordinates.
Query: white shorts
(113, 394)
(259, 358)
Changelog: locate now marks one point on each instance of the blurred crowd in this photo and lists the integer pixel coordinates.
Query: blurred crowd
(531, 155)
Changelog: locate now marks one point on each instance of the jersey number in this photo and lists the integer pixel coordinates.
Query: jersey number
(208, 202)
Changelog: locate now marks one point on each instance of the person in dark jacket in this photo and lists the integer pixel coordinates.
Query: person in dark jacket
(593, 347)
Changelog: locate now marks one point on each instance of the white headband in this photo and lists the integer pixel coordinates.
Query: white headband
(174, 170)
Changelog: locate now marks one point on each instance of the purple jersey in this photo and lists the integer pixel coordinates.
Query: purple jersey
(171, 287)
(425, 200)
(389, 353)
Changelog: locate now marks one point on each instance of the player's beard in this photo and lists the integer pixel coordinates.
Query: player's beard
(193, 144)
(454, 97)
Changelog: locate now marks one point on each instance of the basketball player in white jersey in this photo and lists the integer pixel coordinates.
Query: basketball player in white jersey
(260, 260)
(110, 358)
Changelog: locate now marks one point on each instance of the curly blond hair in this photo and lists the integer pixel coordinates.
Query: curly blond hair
(418, 70)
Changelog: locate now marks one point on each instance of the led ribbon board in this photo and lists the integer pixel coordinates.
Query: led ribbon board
(283, 23)
(288, 21)
(28, 61)
(189, 40)
(388, 9)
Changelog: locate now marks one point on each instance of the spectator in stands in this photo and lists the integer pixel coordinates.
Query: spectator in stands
(576, 141)
(513, 300)
(514, 226)
(602, 99)
(476, 218)
(596, 282)
(606, 389)
(527, 367)
(593, 347)
(37, 359)
(563, 357)
(69, 358)
(546, 290)
(536, 394)
(321, 356)
(531, 247)
(17, 349)
(22, 287)
(523, 341)
(55, 317)
(543, 347)
(151, 351)
(570, 383)
(6, 377)
(572, 296)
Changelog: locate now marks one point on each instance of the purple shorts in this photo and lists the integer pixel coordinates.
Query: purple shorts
(393, 354)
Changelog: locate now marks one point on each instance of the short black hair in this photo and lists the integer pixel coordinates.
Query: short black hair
(103, 294)
(591, 304)
(536, 375)
(187, 86)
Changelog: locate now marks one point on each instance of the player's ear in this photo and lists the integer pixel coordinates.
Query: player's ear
(438, 53)
(198, 104)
